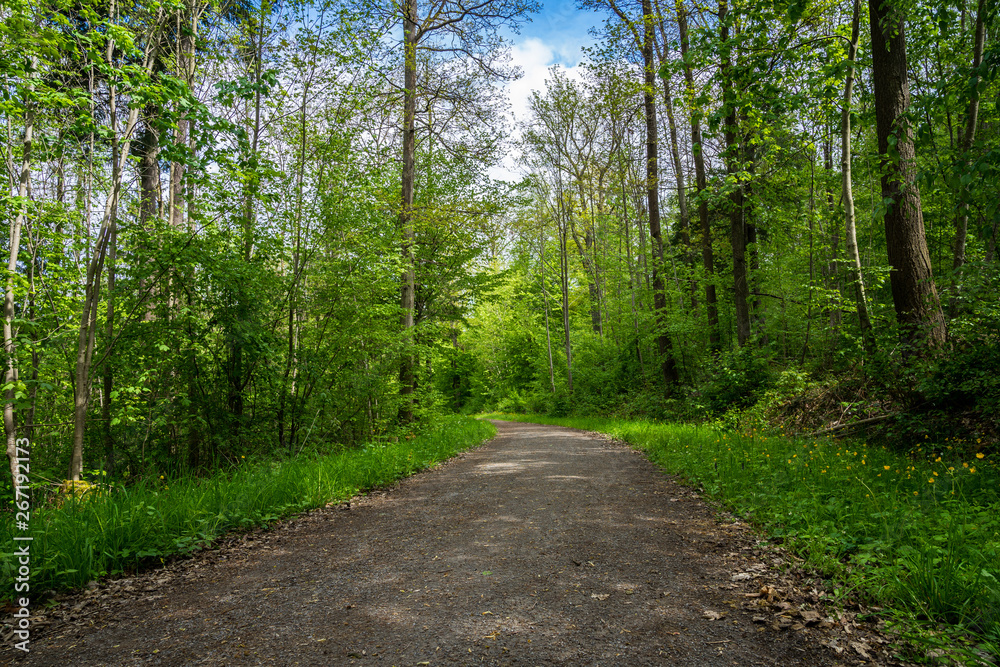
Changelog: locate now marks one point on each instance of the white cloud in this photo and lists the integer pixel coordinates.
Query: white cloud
(534, 57)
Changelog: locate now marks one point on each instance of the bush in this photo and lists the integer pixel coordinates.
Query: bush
(739, 379)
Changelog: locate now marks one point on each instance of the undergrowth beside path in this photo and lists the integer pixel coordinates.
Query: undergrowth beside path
(917, 534)
(122, 530)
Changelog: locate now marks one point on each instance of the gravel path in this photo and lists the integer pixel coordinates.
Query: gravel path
(545, 546)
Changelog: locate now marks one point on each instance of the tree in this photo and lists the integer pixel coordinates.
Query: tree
(918, 308)
(643, 33)
(468, 32)
(850, 227)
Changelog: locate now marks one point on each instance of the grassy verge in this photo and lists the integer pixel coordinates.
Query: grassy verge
(917, 534)
(140, 525)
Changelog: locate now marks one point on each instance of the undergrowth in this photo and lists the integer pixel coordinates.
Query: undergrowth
(915, 533)
(122, 530)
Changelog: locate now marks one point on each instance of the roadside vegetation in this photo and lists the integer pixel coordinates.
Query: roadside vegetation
(115, 529)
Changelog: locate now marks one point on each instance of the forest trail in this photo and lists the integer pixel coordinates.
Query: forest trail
(545, 546)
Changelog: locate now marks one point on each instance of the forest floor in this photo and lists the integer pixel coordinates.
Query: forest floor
(544, 546)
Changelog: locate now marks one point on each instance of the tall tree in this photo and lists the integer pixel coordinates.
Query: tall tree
(701, 180)
(918, 308)
(850, 226)
(668, 364)
(24, 176)
(469, 33)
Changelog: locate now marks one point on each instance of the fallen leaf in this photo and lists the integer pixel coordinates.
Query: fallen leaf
(862, 649)
(810, 617)
(600, 596)
(713, 615)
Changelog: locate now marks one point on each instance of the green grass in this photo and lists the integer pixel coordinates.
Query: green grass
(917, 534)
(142, 525)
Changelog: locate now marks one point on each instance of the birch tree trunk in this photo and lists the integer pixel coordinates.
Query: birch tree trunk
(10, 376)
(854, 257)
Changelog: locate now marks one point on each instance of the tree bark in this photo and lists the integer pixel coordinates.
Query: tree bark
(918, 308)
(701, 183)
(564, 283)
(675, 155)
(737, 229)
(545, 304)
(850, 232)
(668, 365)
(10, 376)
(109, 377)
(406, 224)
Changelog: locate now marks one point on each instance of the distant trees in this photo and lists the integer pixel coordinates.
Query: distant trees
(832, 267)
(468, 39)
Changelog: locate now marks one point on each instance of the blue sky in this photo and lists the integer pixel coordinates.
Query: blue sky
(555, 36)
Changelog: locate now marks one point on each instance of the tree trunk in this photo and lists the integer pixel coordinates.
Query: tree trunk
(737, 229)
(965, 140)
(109, 443)
(95, 265)
(675, 155)
(667, 363)
(857, 278)
(545, 303)
(92, 289)
(406, 224)
(149, 170)
(833, 266)
(186, 67)
(10, 376)
(701, 183)
(587, 256)
(564, 287)
(918, 309)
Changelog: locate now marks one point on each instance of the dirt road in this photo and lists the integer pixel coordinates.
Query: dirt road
(545, 546)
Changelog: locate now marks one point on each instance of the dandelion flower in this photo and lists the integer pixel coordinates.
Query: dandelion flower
(886, 467)
(980, 455)
(930, 481)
